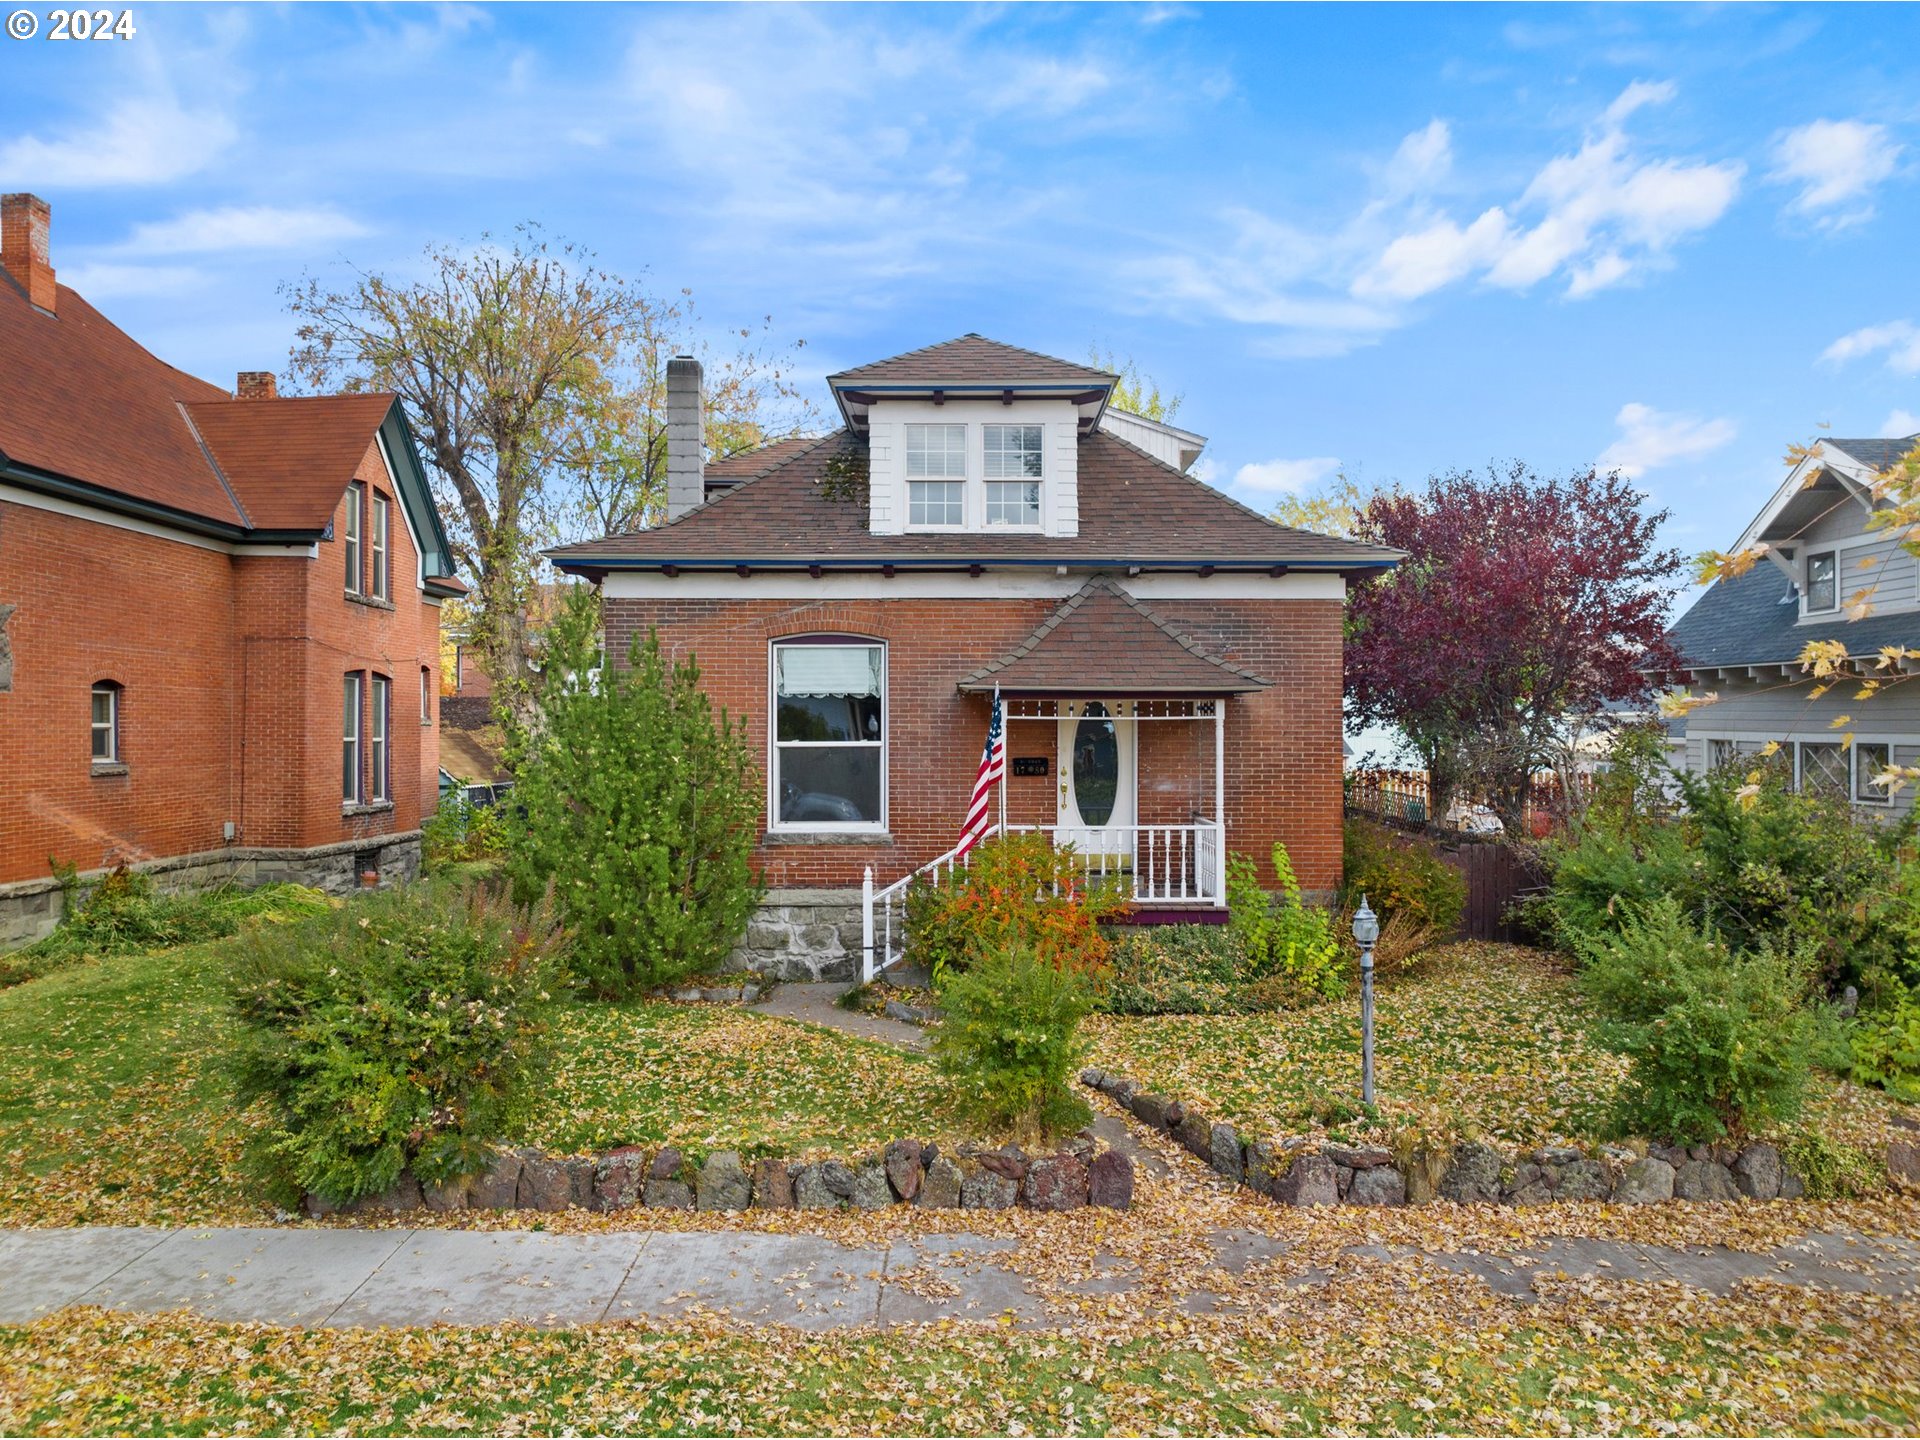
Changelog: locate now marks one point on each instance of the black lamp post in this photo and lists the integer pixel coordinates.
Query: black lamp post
(1366, 930)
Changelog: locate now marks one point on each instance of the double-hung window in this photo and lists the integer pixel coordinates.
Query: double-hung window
(936, 475)
(382, 565)
(1870, 761)
(356, 502)
(426, 695)
(1014, 468)
(1822, 583)
(379, 753)
(350, 791)
(106, 723)
(829, 735)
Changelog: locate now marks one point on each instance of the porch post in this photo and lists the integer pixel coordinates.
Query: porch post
(1220, 798)
(866, 928)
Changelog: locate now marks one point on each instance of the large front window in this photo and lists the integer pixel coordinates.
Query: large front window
(829, 750)
(936, 474)
(1013, 466)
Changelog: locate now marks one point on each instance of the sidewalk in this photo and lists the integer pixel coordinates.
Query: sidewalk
(338, 1277)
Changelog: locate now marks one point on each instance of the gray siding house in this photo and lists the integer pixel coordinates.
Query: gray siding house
(1742, 640)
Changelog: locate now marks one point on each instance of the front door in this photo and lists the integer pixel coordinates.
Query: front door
(1097, 785)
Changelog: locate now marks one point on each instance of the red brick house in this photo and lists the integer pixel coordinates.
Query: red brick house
(219, 613)
(1169, 660)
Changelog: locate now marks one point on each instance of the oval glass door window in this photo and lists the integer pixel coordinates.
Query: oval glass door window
(1096, 766)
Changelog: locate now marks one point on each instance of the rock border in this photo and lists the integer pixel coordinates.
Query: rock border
(1305, 1171)
(903, 1172)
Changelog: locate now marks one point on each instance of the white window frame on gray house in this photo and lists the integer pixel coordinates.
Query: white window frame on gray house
(1831, 582)
(1866, 757)
(829, 653)
(1015, 468)
(1865, 792)
(936, 476)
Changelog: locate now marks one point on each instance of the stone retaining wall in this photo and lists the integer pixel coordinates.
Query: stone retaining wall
(1306, 1171)
(804, 936)
(906, 1172)
(30, 909)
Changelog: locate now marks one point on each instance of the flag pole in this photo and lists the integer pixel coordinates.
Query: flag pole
(1004, 737)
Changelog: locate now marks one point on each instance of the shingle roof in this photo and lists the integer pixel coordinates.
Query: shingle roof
(1751, 620)
(288, 460)
(82, 401)
(1134, 509)
(1102, 638)
(1876, 453)
(972, 360)
(745, 464)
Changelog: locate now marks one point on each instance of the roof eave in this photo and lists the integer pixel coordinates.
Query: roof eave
(65, 487)
(1240, 565)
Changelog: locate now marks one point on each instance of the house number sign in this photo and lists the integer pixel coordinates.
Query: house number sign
(1029, 764)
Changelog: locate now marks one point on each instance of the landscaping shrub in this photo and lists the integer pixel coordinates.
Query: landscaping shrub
(1175, 970)
(124, 915)
(1885, 1046)
(1289, 945)
(462, 833)
(1404, 939)
(1400, 874)
(401, 1031)
(1720, 1041)
(1010, 1040)
(641, 808)
(1016, 892)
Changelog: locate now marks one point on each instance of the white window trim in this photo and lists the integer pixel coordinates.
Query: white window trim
(426, 695)
(1001, 526)
(381, 548)
(966, 479)
(353, 793)
(1879, 797)
(112, 727)
(775, 826)
(353, 538)
(379, 739)
(1806, 590)
(1790, 748)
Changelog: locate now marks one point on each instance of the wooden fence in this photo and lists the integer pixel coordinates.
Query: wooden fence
(1498, 876)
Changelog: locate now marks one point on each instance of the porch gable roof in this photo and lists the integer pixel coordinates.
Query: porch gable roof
(1102, 639)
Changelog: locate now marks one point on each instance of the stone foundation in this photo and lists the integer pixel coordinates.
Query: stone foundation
(30, 909)
(804, 936)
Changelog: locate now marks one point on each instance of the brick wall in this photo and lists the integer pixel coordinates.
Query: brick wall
(231, 704)
(1283, 745)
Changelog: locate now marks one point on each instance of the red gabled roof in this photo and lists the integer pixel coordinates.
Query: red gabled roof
(1102, 638)
(80, 399)
(972, 360)
(288, 460)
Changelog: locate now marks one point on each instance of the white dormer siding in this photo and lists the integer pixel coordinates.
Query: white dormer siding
(1168, 444)
(887, 460)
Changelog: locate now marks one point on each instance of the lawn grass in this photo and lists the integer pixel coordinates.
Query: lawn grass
(114, 1109)
(1482, 1039)
(1830, 1365)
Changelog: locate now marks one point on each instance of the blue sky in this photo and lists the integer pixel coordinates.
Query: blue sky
(1391, 239)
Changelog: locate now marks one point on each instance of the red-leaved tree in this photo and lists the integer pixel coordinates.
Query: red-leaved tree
(1525, 602)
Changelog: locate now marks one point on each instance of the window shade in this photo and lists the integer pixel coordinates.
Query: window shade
(829, 669)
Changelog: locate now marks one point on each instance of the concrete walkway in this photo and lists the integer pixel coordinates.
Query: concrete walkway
(816, 1005)
(322, 1277)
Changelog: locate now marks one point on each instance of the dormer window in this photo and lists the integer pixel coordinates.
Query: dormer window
(937, 475)
(1014, 467)
(1822, 586)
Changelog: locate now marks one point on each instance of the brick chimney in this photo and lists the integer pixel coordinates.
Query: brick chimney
(686, 435)
(255, 385)
(26, 229)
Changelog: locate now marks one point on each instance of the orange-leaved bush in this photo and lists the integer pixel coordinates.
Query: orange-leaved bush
(1016, 893)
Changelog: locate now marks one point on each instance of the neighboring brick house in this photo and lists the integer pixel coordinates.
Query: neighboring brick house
(219, 613)
(1169, 660)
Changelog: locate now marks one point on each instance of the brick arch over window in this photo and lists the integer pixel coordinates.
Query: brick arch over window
(106, 699)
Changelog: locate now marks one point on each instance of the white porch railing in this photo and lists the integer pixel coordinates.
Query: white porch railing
(1157, 864)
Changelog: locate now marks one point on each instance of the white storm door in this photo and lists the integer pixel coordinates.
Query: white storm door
(1097, 776)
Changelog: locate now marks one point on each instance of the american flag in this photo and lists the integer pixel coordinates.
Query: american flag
(993, 764)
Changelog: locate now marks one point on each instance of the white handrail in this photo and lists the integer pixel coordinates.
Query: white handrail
(879, 906)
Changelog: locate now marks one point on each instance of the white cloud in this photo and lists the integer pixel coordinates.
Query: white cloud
(1637, 95)
(242, 227)
(1900, 424)
(139, 142)
(1285, 476)
(1422, 161)
(1899, 338)
(1650, 438)
(1426, 260)
(108, 281)
(1837, 164)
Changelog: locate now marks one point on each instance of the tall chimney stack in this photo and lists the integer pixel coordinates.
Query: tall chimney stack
(686, 435)
(255, 385)
(26, 237)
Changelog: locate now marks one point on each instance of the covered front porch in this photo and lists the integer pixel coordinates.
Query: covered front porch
(1115, 731)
